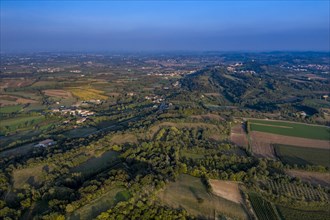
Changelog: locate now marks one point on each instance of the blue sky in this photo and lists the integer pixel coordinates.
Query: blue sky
(164, 25)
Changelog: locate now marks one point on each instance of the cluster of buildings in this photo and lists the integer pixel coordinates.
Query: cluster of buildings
(172, 74)
(233, 69)
(75, 112)
(155, 99)
(50, 70)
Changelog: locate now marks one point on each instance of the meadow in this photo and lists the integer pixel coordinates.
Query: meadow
(96, 164)
(290, 129)
(190, 193)
(302, 155)
(101, 204)
(31, 176)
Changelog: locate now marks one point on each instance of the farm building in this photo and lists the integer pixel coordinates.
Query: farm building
(46, 143)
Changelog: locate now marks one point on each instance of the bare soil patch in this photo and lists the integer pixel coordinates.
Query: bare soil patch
(227, 189)
(313, 177)
(238, 136)
(58, 93)
(267, 138)
(262, 149)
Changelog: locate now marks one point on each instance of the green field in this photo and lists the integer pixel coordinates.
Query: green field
(263, 209)
(190, 193)
(290, 129)
(14, 124)
(302, 214)
(101, 204)
(10, 109)
(97, 164)
(302, 155)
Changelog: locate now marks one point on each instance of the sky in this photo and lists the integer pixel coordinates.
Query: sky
(32, 26)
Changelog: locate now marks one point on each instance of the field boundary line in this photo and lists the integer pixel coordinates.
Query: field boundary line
(293, 122)
(276, 126)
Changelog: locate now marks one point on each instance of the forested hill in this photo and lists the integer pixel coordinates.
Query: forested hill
(255, 86)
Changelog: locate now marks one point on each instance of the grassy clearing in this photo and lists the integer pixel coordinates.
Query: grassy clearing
(101, 204)
(263, 209)
(291, 129)
(32, 176)
(302, 155)
(190, 193)
(124, 138)
(97, 164)
(87, 93)
(188, 154)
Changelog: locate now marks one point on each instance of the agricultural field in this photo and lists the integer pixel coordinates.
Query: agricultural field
(7, 100)
(15, 82)
(238, 135)
(297, 191)
(190, 193)
(302, 155)
(263, 209)
(262, 148)
(226, 189)
(60, 93)
(86, 94)
(10, 109)
(320, 213)
(315, 178)
(101, 204)
(20, 123)
(290, 129)
(286, 140)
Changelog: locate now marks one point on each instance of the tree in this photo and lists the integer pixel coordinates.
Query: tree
(69, 208)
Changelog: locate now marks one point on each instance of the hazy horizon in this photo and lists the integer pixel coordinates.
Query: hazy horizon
(85, 26)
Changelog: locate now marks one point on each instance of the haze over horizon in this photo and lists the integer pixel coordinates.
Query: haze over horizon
(29, 26)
